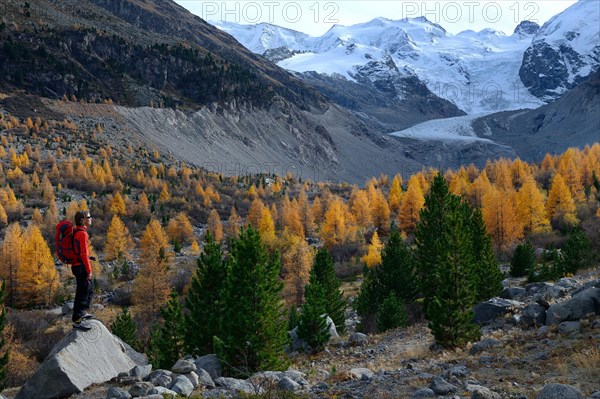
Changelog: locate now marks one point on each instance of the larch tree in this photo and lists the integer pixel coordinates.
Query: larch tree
(501, 219)
(234, 223)
(117, 205)
(477, 190)
(151, 284)
(373, 256)
(214, 225)
(266, 227)
(254, 213)
(335, 227)
(412, 203)
(380, 212)
(180, 229)
(203, 300)
(306, 213)
(395, 195)
(252, 336)
(290, 217)
(3, 216)
(11, 260)
(361, 209)
(143, 205)
(119, 243)
(531, 209)
(37, 276)
(560, 204)
(296, 261)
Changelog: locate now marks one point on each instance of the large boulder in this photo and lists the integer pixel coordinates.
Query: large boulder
(559, 391)
(81, 359)
(494, 308)
(578, 307)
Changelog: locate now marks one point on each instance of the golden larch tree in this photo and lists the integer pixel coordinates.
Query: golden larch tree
(560, 203)
(395, 195)
(531, 208)
(266, 227)
(3, 216)
(151, 286)
(180, 229)
(37, 276)
(373, 256)
(500, 217)
(361, 209)
(338, 226)
(117, 205)
(296, 261)
(412, 202)
(254, 213)
(12, 247)
(306, 213)
(380, 212)
(480, 186)
(119, 243)
(214, 225)
(234, 223)
(164, 196)
(290, 217)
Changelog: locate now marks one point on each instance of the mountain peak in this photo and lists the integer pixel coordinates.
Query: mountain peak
(526, 28)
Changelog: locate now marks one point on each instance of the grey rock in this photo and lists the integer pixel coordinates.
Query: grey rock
(567, 282)
(557, 292)
(163, 392)
(533, 315)
(163, 378)
(559, 391)
(595, 395)
(183, 366)
(182, 386)
(67, 308)
(321, 386)
(362, 373)
(218, 394)
(204, 379)
(358, 339)
(484, 345)
(152, 396)
(537, 288)
(423, 393)
(117, 393)
(141, 372)
(583, 304)
(458, 371)
(142, 388)
(569, 327)
(237, 385)
(512, 293)
(289, 385)
(210, 363)
(586, 286)
(193, 377)
(79, 360)
(479, 392)
(296, 375)
(441, 387)
(493, 308)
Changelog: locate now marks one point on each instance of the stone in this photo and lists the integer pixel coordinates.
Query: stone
(204, 379)
(142, 388)
(142, 372)
(583, 304)
(362, 373)
(479, 392)
(182, 386)
(595, 395)
(559, 391)
(81, 359)
(210, 363)
(441, 387)
(218, 394)
(164, 392)
(533, 315)
(493, 308)
(423, 393)
(183, 366)
(458, 371)
(358, 339)
(234, 384)
(193, 377)
(289, 385)
(569, 327)
(67, 308)
(117, 393)
(163, 378)
(484, 345)
(512, 292)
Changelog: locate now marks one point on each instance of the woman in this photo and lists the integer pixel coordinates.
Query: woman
(82, 270)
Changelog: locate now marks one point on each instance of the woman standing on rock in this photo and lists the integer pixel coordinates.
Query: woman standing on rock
(82, 270)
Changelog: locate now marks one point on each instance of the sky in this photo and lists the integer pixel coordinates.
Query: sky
(316, 17)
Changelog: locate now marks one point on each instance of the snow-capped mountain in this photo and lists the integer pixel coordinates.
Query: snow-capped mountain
(564, 52)
(480, 72)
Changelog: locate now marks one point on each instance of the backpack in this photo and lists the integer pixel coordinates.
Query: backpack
(65, 242)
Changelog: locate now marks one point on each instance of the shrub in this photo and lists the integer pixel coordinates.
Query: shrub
(523, 260)
(391, 314)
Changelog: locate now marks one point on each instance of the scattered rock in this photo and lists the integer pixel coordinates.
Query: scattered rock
(210, 363)
(569, 327)
(204, 379)
(163, 392)
(424, 393)
(182, 385)
(358, 339)
(533, 315)
(193, 377)
(142, 388)
(163, 378)
(289, 385)
(142, 372)
(479, 392)
(484, 345)
(494, 308)
(117, 393)
(67, 308)
(236, 385)
(183, 366)
(441, 387)
(583, 304)
(458, 371)
(512, 293)
(362, 374)
(559, 391)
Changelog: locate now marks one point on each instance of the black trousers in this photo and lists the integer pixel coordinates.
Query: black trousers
(83, 293)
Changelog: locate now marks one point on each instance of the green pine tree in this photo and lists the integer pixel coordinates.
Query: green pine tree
(488, 274)
(324, 273)
(203, 300)
(523, 260)
(391, 314)
(3, 356)
(312, 326)
(166, 343)
(370, 296)
(124, 327)
(253, 335)
(396, 272)
(446, 266)
(575, 253)
(293, 318)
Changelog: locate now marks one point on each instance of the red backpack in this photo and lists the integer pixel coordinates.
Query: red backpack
(65, 242)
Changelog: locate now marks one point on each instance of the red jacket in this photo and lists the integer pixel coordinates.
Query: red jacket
(81, 247)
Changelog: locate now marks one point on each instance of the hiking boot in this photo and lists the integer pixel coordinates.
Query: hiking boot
(81, 326)
(87, 316)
